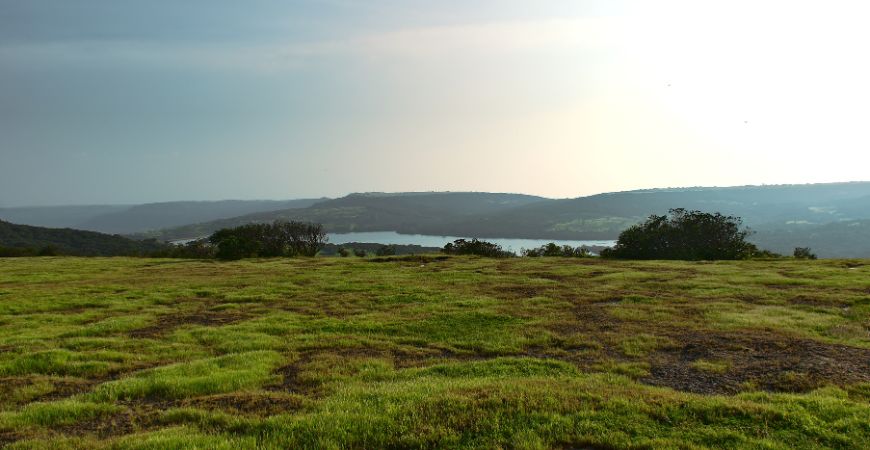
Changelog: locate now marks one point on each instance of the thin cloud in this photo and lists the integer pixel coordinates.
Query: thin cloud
(415, 43)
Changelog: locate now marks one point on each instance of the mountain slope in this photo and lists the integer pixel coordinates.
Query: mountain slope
(404, 212)
(783, 215)
(603, 216)
(72, 242)
(126, 219)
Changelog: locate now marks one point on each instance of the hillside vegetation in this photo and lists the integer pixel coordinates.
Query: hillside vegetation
(413, 212)
(70, 242)
(433, 351)
(830, 218)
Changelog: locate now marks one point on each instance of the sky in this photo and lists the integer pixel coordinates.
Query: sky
(130, 101)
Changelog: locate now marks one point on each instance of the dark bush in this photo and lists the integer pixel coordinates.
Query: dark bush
(343, 252)
(804, 253)
(686, 235)
(15, 252)
(198, 249)
(386, 250)
(552, 249)
(359, 253)
(476, 247)
(48, 250)
(269, 240)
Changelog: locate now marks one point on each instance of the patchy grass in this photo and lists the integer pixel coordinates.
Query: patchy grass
(714, 366)
(433, 352)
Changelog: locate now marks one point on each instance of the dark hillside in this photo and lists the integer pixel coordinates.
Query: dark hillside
(72, 242)
(784, 217)
(153, 216)
(405, 212)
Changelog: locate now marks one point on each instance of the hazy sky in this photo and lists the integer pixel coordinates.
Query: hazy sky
(124, 101)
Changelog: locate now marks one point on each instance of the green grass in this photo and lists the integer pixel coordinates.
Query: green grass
(421, 353)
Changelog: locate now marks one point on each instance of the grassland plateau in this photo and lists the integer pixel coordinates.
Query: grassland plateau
(433, 351)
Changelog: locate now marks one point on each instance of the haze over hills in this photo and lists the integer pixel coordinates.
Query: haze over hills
(128, 219)
(411, 212)
(833, 219)
(784, 216)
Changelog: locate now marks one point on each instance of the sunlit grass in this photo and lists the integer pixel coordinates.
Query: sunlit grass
(456, 353)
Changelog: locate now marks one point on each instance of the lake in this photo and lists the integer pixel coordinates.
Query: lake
(514, 245)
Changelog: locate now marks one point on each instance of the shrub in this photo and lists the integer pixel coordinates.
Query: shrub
(804, 253)
(48, 250)
(233, 247)
(12, 252)
(343, 252)
(476, 247)
(686, 235)
(552, 249)
(359, 253)
(386, 250)
(198, 249)
(268, 240)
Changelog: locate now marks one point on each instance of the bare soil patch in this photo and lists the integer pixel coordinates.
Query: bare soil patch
(257, 404)
(167, 323)
(760, 360)
(120, 423)
(418, 259)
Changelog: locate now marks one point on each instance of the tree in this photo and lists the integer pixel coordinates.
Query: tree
(804, 253)
(279, 238)
(552, 249)
(386, 250)
(231, 248)
(686, 235)
(475, 247)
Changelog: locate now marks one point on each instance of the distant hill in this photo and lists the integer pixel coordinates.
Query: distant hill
(845, 239)
(128, 219)
(413, 212)
(603, 216)
(785, 216)
(72, 242)
(57, 216)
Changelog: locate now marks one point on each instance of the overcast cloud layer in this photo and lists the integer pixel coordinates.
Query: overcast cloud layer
(123, 101)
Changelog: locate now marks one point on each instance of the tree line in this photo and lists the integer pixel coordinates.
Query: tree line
(680, 235)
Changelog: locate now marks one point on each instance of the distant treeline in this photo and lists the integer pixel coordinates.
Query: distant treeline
(362, 249)
(684, 234)
(488, 249)
(680, 235)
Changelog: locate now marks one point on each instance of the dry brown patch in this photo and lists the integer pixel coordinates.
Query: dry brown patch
(61, 387)
(204, 317)
(257, 404)
(291, 379)
(412, 259)
(119, 423)
(10, 437)
(519, 291)
(755, 359)
(762, 360)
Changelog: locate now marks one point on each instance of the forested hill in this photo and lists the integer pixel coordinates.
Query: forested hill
(605, 215)
(415, 212)
(127, 219)
(827, 217)
(66, 241)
